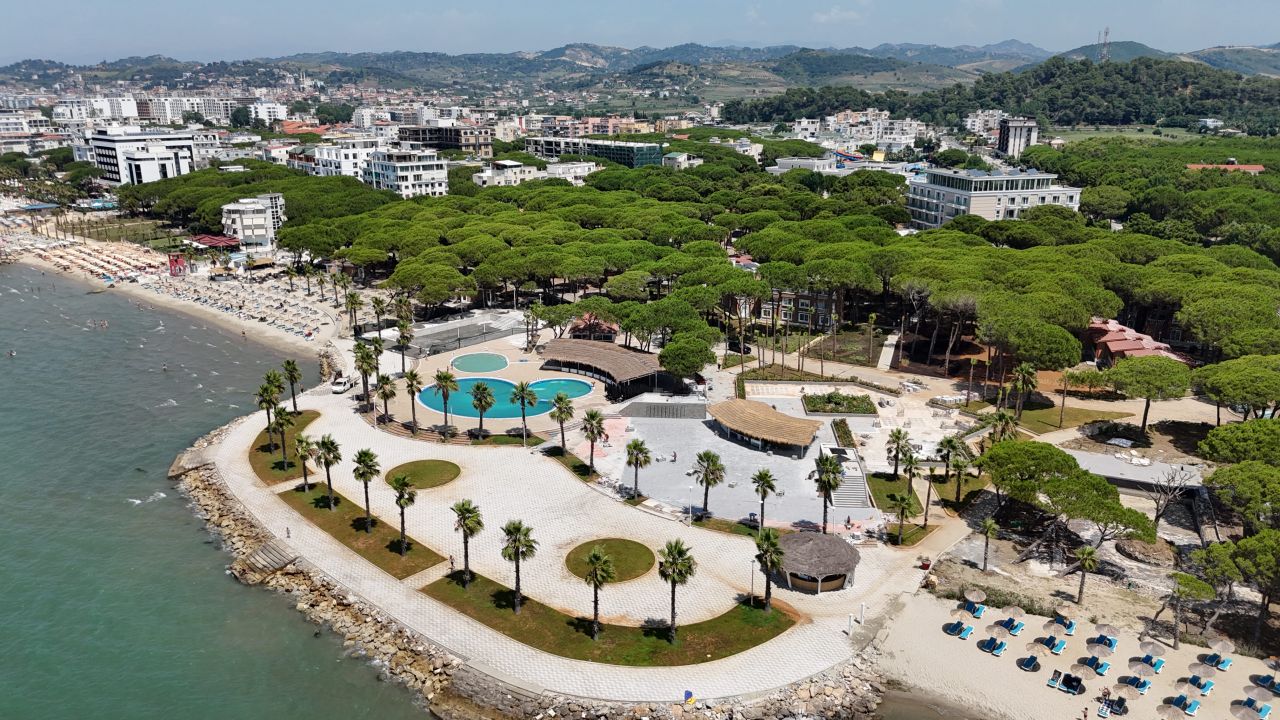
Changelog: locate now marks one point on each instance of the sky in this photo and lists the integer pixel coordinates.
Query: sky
(86, 31)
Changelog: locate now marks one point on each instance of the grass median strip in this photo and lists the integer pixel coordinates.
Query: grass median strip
(264, 455)
(552, 631)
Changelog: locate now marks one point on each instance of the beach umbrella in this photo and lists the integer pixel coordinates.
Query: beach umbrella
(998, 631)
(1013, 611)
(1169, 711)
(1259, 693)
(960, 612)
(1244, 713)
(1080, 669)
(1126, 691)
(1184, 687)
(1065, 610)
(1107, 629)
(974, 595)
(1051, 627)
(1223, 645)
(1101, 651)
(1037, 649)
(1151, 647)
(1141, 669)
(1200, 669)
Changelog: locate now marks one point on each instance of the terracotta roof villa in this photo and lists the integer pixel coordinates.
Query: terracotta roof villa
(762, 424)
(817, 562)
(613, 363)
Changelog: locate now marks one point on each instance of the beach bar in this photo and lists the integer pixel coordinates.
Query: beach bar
(814, 562)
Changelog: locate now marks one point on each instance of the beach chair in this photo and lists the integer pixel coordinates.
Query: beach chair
(1156, 663)
(1028, 664)
(975, 609)
(1205, 686)
(1180, 702)
(1142, 685)
(1071, 684)
(1108, 641)
(1119, 706)
(1104, 710)
(1218, 661)
(987, 645)
(1269, 682)
(964, 634)
(1013, 626)
(1192, 708)
(1099, 666)
(1070, 625)
(1053, 679)
(998, 650)
(953, 628)
(1058, 647)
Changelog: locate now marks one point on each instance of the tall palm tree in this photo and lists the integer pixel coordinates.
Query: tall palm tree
(709, 471)
(273, 379)
(517, 544)
(769, 554)
(989, 529)
(304, 448)
(482, 400)
(342, 281)
(1024, 381)
(1004, 426)
(352, 304)
(445, 383)
(948, 447)
(366, 470)
(959, 467)
(827, 476)
(386, 392)
(1087, 558)
(376, 346)
(291, 272)
(600, 571)
(413, 386)
(266, 400)
(405, 496)
(524, 396)
(280, 424)
(593, 430)
(765, 485)
(319, 274)
(306, 273)
(467, 520)
(329, 454)
(637, 457)
(928, 494)
(366, 365)
(903, 505)
(403, 308)
(899, 444)
(676, 566)
(562, 412)
(404, 333)
(293, 376)
(379, 306)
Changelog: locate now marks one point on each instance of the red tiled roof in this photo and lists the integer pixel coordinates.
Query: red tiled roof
(215, 240)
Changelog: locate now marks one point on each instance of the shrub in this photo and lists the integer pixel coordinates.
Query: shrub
(837, 402)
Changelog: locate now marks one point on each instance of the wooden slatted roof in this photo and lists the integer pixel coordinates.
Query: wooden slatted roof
(758, 420)
(619, 363)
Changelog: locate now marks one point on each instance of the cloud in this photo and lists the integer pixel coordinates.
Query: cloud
(836, 14)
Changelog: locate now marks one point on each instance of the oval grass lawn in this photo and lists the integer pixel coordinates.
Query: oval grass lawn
(426, 474)
(630, 558)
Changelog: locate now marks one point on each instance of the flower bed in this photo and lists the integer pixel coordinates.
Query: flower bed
(836, 402)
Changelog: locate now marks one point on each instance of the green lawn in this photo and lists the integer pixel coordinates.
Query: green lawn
(733, 527)
(425, 474)
(733, 360)
(968, 490)
(1043, 420)
(508, 440)
(778, 372)
(788, 343)
(551, 631)
(881, 486)
(576, 465)
(264, 457)
(346, 524)
(630, 558)
(1084, 132)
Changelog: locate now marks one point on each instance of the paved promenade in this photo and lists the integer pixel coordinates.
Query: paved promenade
(511, 483)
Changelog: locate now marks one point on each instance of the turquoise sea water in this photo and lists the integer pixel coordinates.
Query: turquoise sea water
(546, 390)
(113, 600)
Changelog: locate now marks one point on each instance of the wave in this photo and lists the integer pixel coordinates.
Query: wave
(167, 403)
(157, 495)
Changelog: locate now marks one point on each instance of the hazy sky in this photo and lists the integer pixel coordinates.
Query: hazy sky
(87, 31)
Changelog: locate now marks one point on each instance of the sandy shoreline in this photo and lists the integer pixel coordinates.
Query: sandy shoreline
(260, 332)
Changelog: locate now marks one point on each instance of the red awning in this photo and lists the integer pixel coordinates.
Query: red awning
(215, 241)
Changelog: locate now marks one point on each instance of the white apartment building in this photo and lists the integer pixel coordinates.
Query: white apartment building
(826, 165)
(575, 172)
(254, 221)
(346, 157)
(205, 144)
(127, 154)
(984, 122)
(1016, 135)
(680, 161)
(856, 117)
(364, 117)
(938, 195)
(268, 112)
(409, 170)
(806, 127)
(507, 173)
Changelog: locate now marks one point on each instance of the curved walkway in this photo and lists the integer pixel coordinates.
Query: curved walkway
(510, 483)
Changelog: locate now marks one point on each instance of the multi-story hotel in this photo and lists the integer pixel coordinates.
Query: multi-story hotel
(631, 154)
(409, 170)
(254, 221)
(127, 154)
(938, 195)
(477, 141)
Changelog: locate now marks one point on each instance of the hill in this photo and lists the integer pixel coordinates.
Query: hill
(1244, 60)
(1120, 51)
(998, 56)
(823, 66)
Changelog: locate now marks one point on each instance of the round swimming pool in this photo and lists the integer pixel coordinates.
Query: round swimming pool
(479, 362)
(460, 400)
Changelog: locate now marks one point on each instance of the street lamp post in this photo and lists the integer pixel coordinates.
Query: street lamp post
(690, 505)
(753, 579)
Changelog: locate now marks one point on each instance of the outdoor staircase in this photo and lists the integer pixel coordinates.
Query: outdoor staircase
(852, 493)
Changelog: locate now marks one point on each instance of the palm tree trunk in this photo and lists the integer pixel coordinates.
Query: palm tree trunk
(673, 611)
(902, 521)
(824, 514)
(595, 612)
(986, 549)
(564, 448)
(368, 515)
(516, 600)
(1146, 409)
(760, 526)
(928, 498)
(1062, 411)
(402, 547)
(706, 497)
(768, 591)
(1080, 594)
(635, 483)
(524, 427)
(304, 474)
(386, 412)
(402, 360)
(466, 561)
(591, 461)
(329, 480)
(293, 396)
(413, 411)
(284, 449)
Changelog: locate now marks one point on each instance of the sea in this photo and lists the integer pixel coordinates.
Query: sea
(114, 600)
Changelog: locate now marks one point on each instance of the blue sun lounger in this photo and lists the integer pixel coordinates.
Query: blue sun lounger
(1156, 663)
(975, 609)
(1057, 647)
(1204, 685)
(1263, 709)
(1270, 682)
(1013, 626)
(1218, 661)
(1142, 685)
(1099, 666)
(1068, 625)
(1106, 640)
(998, 650)
(1053, 679)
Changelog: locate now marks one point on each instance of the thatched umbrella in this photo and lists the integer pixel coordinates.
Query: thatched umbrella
(1169, 711)
(1065, 610)
(1107, 629)
(1037, 649)
(1151, 647)
(960, 613)
(1052, 627)
(1100, 651)
(1244, 713)
(1202, 670)
(1223, 646)
(997, 631)
(1013, 611)
(1126, 691)
(1141, 669)
(974, 595)
(1260, 694)
(1080, 669)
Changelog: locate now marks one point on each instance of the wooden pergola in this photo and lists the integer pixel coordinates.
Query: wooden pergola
(760, 422)
(613, 363)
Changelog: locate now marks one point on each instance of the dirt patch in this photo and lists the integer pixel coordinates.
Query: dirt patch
(1168, 441)
(1159, 553)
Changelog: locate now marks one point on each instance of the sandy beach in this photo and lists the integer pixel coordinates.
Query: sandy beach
(917, 654)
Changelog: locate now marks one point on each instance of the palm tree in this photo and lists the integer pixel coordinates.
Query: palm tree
(293, 376)
(404, 332)
(903, 505)
(764, 483)
(291, 272)
(280, 425)
(366, 470)
(593, 430)
(305, 449)
(989, 529)
(928, 494)
(320, 281)
(524, 396)
(266, 400)
(637, 457)
(386, 391)
(413, 386)
(379, 306)
(467, 520)
(445, 383)
(899, 444)
(769, 554)
(342, 281)
(405, 495)
(708, 470)
(562, 412)
(827, 475)
(948, 447)
(517, 544)
(482, 400)
(599, 572)
(959, 466)
(352, 302)
(366, 364)
(676, 566)
(274, 380)
(307, 272)
(1087, 558)
(330, 454)
(403, 308)
(1024, 381)
(376, 346)
(1003, 426)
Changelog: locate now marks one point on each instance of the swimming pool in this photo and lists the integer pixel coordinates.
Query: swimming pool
(460, 401)
(479, 362)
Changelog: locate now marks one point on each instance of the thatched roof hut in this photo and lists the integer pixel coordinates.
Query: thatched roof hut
(813, 561)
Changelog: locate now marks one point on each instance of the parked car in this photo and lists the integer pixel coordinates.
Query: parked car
(341, 383)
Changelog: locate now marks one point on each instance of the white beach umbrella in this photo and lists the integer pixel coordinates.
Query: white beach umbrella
(1100, 650)
(1037, 649)
(1107, 629)
(1065, 610)
(997, 631)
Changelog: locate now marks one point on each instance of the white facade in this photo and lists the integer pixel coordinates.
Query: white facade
(984, 122)
(346, 157)
(23, 122)
(127, 154)
(575, 172)
(1016, 135)
(268, 112)
(254, 221)
(409, 170)
(938, 195)
(507, 173)
(364, 117)
(680, 161)
(825, 165)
